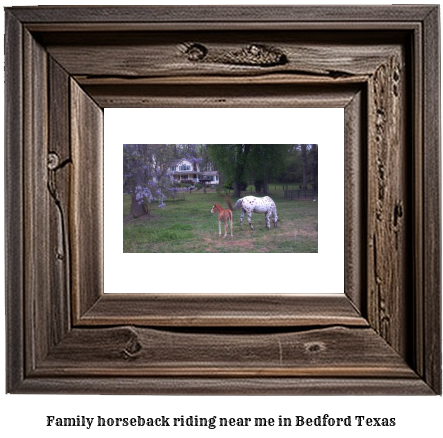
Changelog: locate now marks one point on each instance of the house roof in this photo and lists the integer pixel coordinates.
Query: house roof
(210, 173)
(176, 162)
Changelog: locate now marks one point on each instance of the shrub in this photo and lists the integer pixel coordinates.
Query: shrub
(228, 185)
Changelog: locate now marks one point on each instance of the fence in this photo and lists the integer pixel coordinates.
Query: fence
(287, 193)
(300, 194)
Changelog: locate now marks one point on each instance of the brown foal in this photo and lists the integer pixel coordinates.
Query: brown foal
(223, 215)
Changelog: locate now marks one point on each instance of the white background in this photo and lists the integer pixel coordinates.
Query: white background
(294, 273)
(24, 415)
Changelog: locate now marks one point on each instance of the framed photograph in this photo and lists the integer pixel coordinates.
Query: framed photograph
(378, 331)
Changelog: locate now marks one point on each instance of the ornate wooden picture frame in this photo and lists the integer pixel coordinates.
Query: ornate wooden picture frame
(64, 65)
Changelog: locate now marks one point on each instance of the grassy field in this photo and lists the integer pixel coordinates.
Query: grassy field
(187, 226)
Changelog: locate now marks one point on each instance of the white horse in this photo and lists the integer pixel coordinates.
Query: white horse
(251, 204)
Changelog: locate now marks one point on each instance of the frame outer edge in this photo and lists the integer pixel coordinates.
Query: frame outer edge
(229, 386)
(220, 13)
(432, 202)
(14, 234)
(14, 249)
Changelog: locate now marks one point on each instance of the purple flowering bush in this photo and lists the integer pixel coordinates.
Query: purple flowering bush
(147, 176)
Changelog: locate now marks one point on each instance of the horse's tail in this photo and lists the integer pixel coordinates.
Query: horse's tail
(236, 206)
(229, 203)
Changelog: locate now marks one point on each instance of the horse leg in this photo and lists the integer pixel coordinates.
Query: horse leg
(231, 228)
(241, 218)
(268, 219)
(275, 218)
(219, 227)
(250, 219)
(226, 228)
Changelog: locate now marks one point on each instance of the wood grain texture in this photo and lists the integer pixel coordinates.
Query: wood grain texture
(59, 167)
(129, 351)
(388, 204)
(226, 96)
(289, 386)
(37, 306)
(14, 238)
(166, 54)
(355, 189)
(417, 357)
(74, 61)
(431, 317)
(234, 310)
(86, 207)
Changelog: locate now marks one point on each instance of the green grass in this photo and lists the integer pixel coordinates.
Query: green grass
(187, 225)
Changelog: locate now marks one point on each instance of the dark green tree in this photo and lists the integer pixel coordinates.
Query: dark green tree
(266, 163)
(304, 161)
(231, 160)
(260, 163)
(309, 159)
(313, 164)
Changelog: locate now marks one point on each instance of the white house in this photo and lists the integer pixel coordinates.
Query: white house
(184, 170)
(210, 177)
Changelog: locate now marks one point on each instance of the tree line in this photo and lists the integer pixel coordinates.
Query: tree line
(262, 164)
(147, 176)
